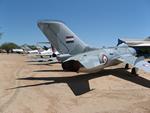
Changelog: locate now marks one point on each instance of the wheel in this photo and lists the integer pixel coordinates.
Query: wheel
(54, 55)
(127, 66)
(134, 71)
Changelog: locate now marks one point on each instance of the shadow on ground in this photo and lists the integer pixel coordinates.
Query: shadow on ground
(49, 70)
(79, 84)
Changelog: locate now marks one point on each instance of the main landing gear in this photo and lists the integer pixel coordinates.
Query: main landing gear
(133, 70)
(127, 66)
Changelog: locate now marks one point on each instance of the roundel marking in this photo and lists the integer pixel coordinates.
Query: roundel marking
(146, 65)
(104, 59)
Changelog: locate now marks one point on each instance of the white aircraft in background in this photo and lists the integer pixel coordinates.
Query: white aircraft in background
(43, 55)
(20, 51)
(25, 49)
(28, 50)
(136, 42)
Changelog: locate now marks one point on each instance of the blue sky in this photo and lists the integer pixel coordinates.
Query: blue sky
(97, 22)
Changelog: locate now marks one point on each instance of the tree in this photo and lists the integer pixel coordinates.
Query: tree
(9, 46)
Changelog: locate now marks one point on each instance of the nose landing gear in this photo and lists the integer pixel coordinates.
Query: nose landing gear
(134, 70)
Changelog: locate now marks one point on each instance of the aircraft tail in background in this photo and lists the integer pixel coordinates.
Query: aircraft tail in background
(26, 47)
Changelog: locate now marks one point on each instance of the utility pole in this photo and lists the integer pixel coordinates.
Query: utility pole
(1, 34)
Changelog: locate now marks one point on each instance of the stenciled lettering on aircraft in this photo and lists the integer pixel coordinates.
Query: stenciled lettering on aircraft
(146, 65)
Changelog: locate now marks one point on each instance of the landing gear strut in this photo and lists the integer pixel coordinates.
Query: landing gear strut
(127, 66)
(134, 71)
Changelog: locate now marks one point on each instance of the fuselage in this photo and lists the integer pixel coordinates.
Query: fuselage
(107, 57)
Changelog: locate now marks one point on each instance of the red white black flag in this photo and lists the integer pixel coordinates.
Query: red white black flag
(69, 39)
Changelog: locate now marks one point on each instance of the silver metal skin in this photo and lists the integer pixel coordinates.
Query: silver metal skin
(83, 57)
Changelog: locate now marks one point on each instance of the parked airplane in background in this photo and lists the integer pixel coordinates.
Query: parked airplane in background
(25, 49)
(40, 54)
(43, 54)
(136, 42)
(28, 50)
(83, 57)
(142, 47)
(46, 52)
(20, 51)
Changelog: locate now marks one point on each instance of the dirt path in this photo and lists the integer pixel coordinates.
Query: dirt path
(29, 88)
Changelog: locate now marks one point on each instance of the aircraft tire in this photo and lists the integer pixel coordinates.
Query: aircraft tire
(127, 66)
(134, 71)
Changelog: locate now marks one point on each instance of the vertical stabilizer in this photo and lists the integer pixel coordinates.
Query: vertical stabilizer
(26, 47)
(62, 38)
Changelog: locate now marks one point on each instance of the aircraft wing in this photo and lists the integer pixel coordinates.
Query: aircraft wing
(137, 62)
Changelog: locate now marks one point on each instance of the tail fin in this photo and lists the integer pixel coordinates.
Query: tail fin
(120, 42)
(26, 47)
(39, 48)
(62, 38)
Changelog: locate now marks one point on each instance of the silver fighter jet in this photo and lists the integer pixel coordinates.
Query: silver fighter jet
(81, 57)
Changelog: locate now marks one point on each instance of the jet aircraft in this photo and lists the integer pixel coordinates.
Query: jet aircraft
(28, 50)
(20, 51)
(78, 56)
